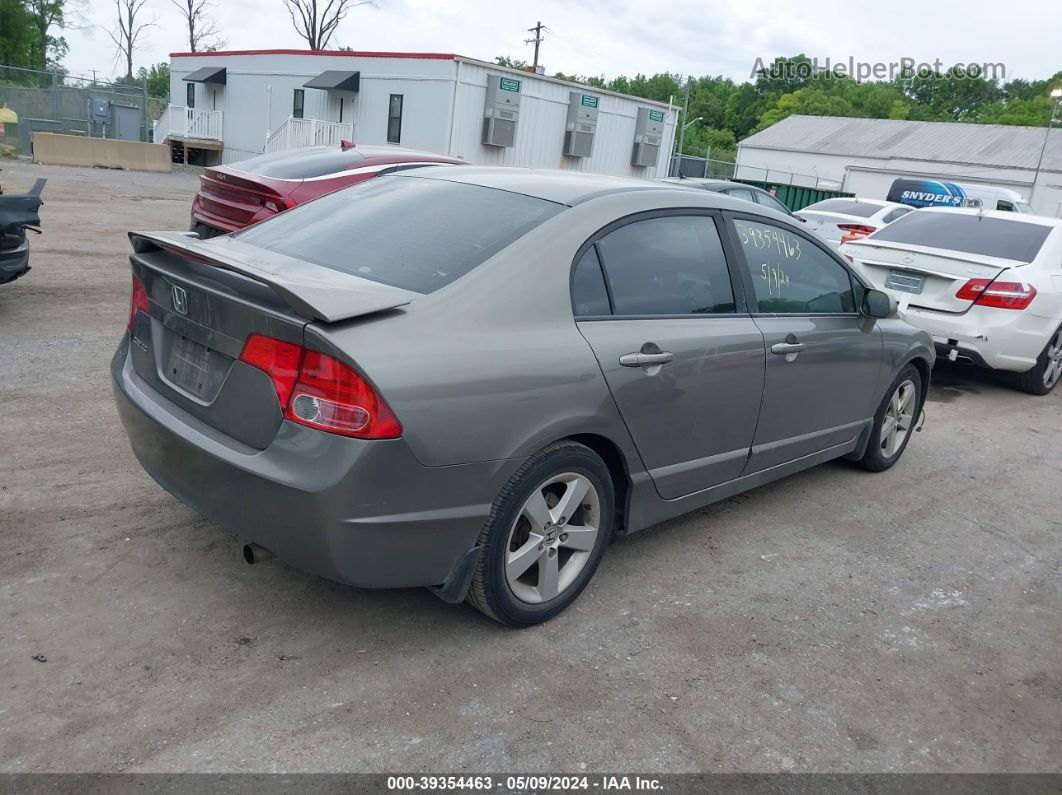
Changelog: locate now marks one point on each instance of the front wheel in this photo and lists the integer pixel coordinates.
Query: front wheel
(545, 536)
(894, 421)
(1047, 372)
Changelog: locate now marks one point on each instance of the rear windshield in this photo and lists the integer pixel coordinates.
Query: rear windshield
(417, 234)
(301, 163)
(845, 207)
(971, 234)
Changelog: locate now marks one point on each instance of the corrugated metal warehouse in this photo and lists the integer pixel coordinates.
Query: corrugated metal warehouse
(864, 156)
(228, 106)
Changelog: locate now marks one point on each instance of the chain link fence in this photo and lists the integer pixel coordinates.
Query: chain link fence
(32, 100)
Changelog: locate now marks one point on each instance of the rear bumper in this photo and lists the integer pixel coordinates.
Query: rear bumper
(360, 512)
(14, 261)
(1002, 339)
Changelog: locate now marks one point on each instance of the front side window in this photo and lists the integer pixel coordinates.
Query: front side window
(741, 193)
(897, 213)
(190, 94)
(394, 120)
(767, 200)
(298, 103)
(790, 274)
(671, 265)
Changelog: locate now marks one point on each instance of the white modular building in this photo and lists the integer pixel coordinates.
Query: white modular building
(865, 156)
(228, 106)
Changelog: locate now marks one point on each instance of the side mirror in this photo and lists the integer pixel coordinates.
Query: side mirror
(877, 304)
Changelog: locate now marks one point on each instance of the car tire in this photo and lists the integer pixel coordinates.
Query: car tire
(1047, 372)
(894, 416)
(523, 577)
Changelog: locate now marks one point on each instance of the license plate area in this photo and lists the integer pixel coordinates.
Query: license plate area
(191, 367)
(906, 281)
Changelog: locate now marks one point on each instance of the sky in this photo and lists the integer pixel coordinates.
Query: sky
(613, 37)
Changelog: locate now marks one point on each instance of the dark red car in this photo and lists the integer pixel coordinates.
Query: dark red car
(235, 196)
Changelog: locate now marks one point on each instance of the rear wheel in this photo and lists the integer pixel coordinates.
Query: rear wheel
(545, 536)
(1042, 378)
(894, 421)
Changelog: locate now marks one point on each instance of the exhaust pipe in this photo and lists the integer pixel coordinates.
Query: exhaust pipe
(253, 553)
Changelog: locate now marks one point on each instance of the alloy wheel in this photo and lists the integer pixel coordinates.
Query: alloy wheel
(552, 537)
(1053, 370)
(899, 419)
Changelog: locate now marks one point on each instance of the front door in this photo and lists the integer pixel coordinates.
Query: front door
(824, 359)
(654, 299)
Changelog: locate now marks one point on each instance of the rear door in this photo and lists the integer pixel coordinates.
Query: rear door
(656, 300)
(824, 360)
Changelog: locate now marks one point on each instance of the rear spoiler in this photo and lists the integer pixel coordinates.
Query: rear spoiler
(315, 292)
(22, 209)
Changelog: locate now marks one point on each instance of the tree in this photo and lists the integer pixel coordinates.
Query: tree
(17, 34)
(156, 79)
(316, 20)
(129, 34)
(47, 15)
(511, 63)
(203, 31)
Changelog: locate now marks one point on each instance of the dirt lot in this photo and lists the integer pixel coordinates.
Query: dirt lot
(837, 620)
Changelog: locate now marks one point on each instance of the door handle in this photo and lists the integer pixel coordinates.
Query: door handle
(790, 347)
(645, 359)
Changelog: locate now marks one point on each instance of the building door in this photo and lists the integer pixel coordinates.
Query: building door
(126, 122)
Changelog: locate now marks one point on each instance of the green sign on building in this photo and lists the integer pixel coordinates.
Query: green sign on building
(656, 115)
(589, 101)
(508, 84)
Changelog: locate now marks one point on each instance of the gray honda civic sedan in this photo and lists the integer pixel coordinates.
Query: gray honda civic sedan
(472, 381)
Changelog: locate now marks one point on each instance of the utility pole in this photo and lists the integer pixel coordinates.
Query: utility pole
(1056, 95)
(685, 116)
(537, 30)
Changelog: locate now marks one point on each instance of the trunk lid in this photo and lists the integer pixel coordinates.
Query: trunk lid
(238, 199)
(205, 298)
(825, 224)
(923, 277)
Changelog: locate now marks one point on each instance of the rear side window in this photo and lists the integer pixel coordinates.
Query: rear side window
(972, 234)
(845, 207)
(589, 294)
(740, 193)
(672, 265)
(417, 234)
(301, 163)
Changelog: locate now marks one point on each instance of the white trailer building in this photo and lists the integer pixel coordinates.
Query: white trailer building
(864, 156)
(227, 106)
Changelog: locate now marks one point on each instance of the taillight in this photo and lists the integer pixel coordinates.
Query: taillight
(320, 391)
(277, 205)
(1000, 295)
(277, 359)
(138, 302)
(855, 231)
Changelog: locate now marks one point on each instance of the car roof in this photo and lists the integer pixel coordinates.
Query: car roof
(1026, 218)
(563, 187)
(388, 154)
(706, 184)
(882, 203)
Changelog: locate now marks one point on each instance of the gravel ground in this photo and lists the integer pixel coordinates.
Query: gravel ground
(833, 621)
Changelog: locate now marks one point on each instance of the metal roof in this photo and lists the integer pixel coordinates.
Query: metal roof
(951, 142)
(333, 80)
(207, 74)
